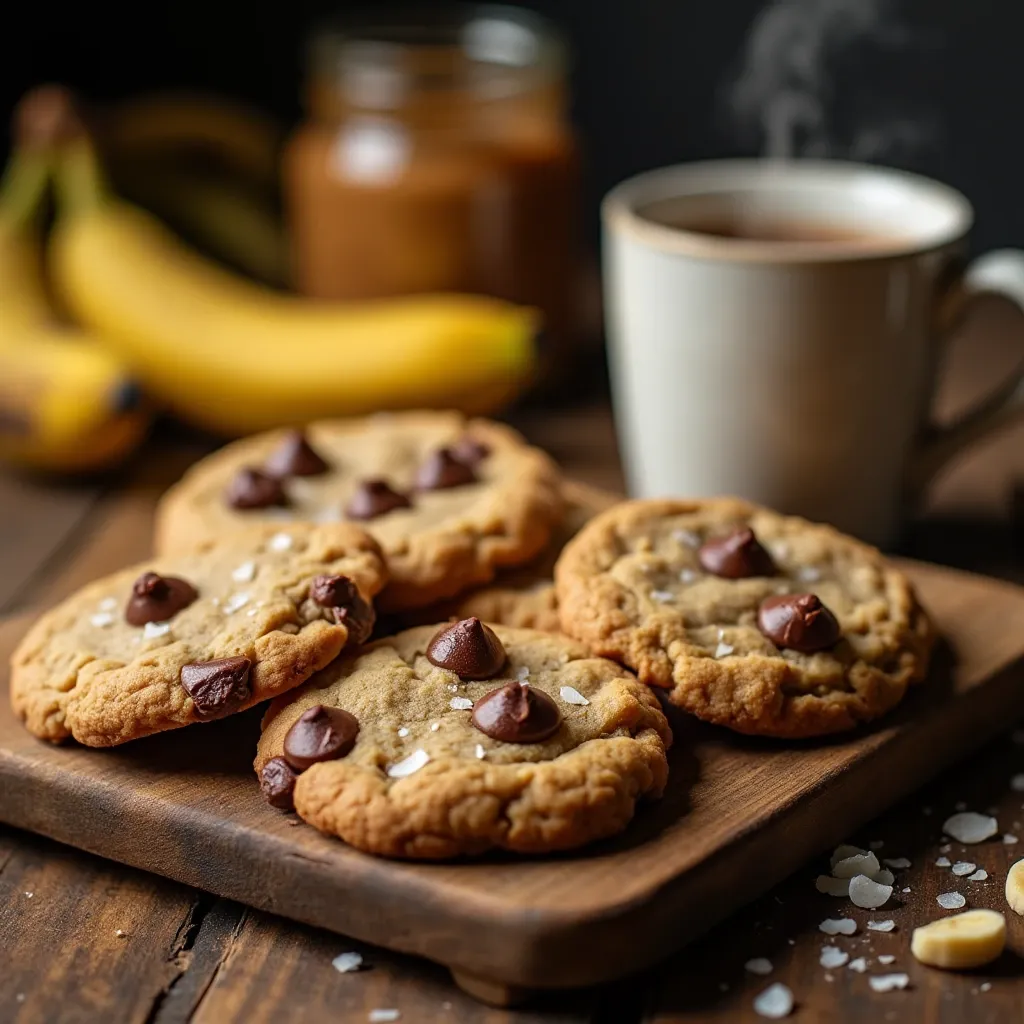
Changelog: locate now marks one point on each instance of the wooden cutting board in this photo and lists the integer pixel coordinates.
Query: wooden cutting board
(739, 815)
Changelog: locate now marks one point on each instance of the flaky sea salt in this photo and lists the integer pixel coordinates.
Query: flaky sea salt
(403, 732)
(896, 863)
(888, 982)
(280, 542)
(434, 726)
(985, 986)
(687, 576)
(881, 926)
(867, 894)
(808, 574)
(942, 862)
(572, 696)
(963, 867)
(876, 844)
(480, 752)
(523, 673)
(234, 603)
(408, 765)
(245, 573)
(858, 864)
(664, 596)
(102, 619)
(832, 956)
(759, 965)
(460, 704)
(832, 886)
(906, 888)
(775, 1002)
(860, 965)
(840, 926)
(108, 604)
(979, 876)
(1009, 840)
(970, 827)
(345, 963)
(723, 649)
(687, 537)
(152, 630)
(383, 1016)
(1017, 783)
(883, 876)
(950, 900)
(886, 958)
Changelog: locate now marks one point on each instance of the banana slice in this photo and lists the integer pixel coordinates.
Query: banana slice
(964, 940)
(1015, 887)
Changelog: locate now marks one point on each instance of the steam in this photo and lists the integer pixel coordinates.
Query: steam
(834, 78)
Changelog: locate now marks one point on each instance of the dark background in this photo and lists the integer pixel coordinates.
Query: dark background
(648, 76)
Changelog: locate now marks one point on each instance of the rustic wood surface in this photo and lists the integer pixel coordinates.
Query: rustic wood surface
(186, 956)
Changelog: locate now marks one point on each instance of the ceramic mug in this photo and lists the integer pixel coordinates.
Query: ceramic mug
(774, 333)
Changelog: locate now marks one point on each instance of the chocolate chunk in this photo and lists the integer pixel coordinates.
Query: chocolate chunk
(469, 450)
(735, 556)
(320, 733)
(375, 498)
(468, 648)
(252, 488)
(295, 456)
(217, 687)
(350, 608)
(798, 621)
(443, 469)
(515, 713)
(157, 598)
(277, 783)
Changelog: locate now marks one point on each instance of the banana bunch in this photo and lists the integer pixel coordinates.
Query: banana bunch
(234, 356)
(67, 404)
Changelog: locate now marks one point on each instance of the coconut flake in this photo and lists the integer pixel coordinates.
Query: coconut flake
(480, 752)
(832, 886)
(896, 863)
(840, 926)
(345, 963)
(950, 900)
(858, 864)
(970, 827)
(844, 852)
(888, 982)
(408, 765)
(245, 573)
(832, 956)
(152, 630)
(775, 1002)
(723, 649)
(101, 620)
(867, 894)
(963, 867)
(234, 603)
(860, 965)
(886, 958)
(759, 965)
(881, 926)
(942, 862)
(572, 696)
(979, 876)
(460, 704)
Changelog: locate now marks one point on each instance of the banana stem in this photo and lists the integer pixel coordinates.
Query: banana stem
(81, 182)
(22, 188)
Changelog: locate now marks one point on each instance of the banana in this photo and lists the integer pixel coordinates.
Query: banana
(962, 941)
(235, 357)
(66, 404)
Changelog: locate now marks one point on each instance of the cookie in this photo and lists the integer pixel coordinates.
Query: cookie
(449, 740)
(450, 500)
(764, 623)
(525, 597)
(196, 636)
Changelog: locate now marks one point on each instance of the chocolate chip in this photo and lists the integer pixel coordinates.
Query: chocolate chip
(515, 713)
(277, 783)
(469, 648)
(320, 733)
(157, 598)
(217, 687)
(295, 456)
(252, 488)
(798, 621)
(469, 450)
(443, 469)
(350, 608)
(375, 498)
(735, 556)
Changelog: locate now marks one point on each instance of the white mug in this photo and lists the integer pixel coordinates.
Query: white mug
(795, 373)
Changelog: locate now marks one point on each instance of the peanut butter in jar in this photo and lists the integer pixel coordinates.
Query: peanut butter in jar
(438, 157)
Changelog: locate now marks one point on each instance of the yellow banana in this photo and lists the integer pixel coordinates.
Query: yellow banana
(236, 357)
(66, 404)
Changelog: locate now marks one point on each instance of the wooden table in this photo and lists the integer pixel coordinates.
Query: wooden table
(88, 940)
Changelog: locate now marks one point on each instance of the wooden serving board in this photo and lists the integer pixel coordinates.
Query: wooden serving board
(739, 815)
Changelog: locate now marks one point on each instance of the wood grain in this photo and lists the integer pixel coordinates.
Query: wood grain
(186, 806)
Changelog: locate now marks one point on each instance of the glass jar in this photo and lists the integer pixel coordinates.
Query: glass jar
(437, 156)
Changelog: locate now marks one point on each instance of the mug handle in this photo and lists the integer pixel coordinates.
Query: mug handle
(997, 273)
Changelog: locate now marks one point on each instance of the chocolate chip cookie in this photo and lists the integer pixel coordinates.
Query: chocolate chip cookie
(448, 740)
(196, 636)
(764, 623)
(450, 500)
